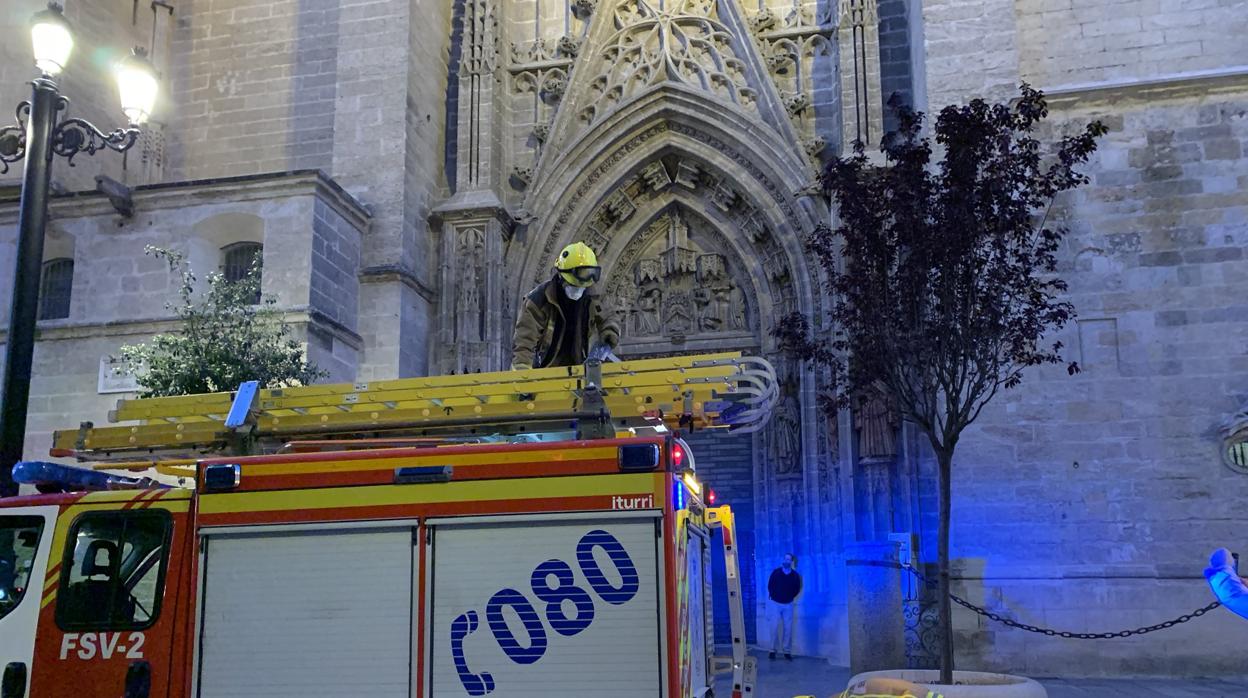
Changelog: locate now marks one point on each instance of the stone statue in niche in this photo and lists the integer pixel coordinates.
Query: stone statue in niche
(646, 319)
(647, 279)
(703, 300)
(711, 295)
(784, 437)
(736, 305)
(876, 421)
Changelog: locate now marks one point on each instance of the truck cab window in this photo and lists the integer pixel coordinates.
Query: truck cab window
(113, 571)
(19, 540)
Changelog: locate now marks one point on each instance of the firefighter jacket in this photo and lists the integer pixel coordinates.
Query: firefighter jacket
(553, 330)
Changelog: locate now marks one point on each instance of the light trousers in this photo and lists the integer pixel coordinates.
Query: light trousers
(782, 627)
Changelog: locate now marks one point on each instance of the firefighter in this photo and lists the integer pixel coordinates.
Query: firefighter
(558, 319)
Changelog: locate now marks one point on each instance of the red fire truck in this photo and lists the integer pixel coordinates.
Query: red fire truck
(383, 554)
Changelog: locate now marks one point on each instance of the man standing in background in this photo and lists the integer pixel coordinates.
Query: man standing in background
(783, 588)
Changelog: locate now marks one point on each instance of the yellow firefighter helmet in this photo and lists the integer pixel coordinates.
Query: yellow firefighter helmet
(578, 265)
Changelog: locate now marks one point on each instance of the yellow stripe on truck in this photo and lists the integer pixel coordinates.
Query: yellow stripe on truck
(446, 457)
(440, 493)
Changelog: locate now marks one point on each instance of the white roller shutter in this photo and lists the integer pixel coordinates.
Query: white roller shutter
(303, 614)
(614, 655)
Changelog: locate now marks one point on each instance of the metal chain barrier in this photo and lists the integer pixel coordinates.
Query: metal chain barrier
(931, 584)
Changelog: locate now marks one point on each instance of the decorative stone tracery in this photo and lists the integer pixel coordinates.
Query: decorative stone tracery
(681, 41)
(798, 48)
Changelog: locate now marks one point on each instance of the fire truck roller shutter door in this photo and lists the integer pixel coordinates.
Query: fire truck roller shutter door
(555, 609)
(307, 613)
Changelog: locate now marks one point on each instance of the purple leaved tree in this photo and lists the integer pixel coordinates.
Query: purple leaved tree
(942, 274)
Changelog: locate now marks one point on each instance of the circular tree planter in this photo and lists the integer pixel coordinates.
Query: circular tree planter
(966, 684)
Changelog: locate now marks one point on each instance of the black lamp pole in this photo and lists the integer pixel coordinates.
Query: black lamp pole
(33, 217)
(37, 141)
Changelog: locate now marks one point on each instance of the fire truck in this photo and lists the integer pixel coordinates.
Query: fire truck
(512, 534)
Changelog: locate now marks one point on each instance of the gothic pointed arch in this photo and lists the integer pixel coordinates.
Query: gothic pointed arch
(673, 144)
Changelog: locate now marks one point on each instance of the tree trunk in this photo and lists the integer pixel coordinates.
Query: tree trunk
(945, 460)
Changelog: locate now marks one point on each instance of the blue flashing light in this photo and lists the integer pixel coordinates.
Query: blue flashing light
(71, 479)
(678, 496)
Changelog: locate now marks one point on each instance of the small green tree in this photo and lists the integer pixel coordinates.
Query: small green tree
(226, 338)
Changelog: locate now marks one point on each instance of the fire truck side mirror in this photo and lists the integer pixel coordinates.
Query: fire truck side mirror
(14, 682)
(139, 679)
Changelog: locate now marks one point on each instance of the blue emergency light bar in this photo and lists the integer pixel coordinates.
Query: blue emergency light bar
(69, 478)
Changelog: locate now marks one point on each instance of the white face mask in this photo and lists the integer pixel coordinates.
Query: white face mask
(574, 292)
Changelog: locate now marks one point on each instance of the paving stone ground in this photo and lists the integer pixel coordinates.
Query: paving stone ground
(815, 677)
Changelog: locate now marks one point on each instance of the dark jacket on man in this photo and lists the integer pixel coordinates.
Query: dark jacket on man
(783, 588)
(554, 330)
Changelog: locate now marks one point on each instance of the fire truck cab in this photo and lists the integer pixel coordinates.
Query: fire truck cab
(430, 548)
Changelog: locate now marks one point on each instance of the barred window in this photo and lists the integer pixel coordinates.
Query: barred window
(54, 289)
(237, 260)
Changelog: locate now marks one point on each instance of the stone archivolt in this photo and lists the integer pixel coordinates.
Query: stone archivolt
(658, 261)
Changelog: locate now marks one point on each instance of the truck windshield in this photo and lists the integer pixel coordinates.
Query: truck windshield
(19, 540)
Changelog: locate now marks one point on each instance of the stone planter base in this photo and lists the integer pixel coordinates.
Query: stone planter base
(966, 684)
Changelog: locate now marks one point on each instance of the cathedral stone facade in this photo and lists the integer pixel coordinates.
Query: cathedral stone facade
(410, 167)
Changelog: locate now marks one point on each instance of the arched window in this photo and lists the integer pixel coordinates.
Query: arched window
(55, 285)
(236, 261)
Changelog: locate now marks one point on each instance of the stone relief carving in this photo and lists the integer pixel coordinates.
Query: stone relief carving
(554, 85)
(568, 46)
(657, 41)
(523, 176)
(681, 289)
(584, 8)
(814, 146)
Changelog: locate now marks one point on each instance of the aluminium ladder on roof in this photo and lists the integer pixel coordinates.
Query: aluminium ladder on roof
(725, 390)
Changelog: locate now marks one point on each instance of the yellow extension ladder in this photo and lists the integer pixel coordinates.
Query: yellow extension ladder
(709, 391)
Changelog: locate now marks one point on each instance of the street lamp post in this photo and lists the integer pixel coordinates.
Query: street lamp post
(38, 136)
